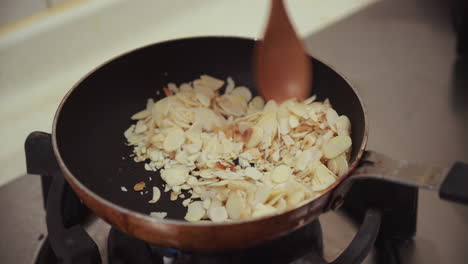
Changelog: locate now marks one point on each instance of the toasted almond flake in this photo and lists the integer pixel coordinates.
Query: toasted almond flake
(194, 135)
(204, 99)
(235, 205)
(255, 137)
(264, 210)
(140, 115)
(323, 178)
(207, 203)
(195, 211)
(167, 92)
(175, 138)
(253, 173)
(159, 215)
(270, 106)
(288, 140)
(148, 167)
(343, 126)
(185, 87)
(257, 103)
(139, 186)
(173, 87)
(280, 204)
(308, 141)
(336, 146)
(186, 202)
(175, 176)
(230, 85)
(298, 109)
(243, 92)
(156, 195)
(338, 165)
(217, 214)
(262, 194)
(212, 82)
(140, 127)
(281, 174)
(310, 99)
(332, 117)
(233, 105)
(293, 121)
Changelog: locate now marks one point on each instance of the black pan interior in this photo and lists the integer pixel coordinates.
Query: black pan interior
(90, 126)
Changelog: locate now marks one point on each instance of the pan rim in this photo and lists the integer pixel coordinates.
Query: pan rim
(70, 177)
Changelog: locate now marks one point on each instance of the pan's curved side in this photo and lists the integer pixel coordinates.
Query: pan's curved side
(200, 237)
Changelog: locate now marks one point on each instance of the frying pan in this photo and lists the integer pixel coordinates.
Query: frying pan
(90, 148)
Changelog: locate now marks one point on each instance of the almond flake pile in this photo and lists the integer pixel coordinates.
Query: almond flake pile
(236, 156)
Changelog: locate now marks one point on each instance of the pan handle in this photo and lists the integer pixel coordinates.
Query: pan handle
(451, 184)
(363, 241)
(68, 239)
(361, 244)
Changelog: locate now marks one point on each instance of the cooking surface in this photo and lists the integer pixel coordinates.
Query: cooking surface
(400, 55)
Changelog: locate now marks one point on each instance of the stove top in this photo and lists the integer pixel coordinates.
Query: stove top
(441, 233)
(68, 241)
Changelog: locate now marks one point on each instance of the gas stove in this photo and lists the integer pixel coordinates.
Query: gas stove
(75, 235)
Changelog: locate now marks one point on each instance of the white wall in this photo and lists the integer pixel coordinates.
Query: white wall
(13, 10)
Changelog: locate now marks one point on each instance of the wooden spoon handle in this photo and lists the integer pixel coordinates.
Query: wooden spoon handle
(283, 69)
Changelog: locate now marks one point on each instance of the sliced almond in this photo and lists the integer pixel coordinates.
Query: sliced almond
(293, 121)
(212, 82)
(235, 205)
(156, 195)
(141, 115)
(139, 186)
(323, 178)
(175, 176)
(186, 202)
(264, 210)
(257, 103)
(195, 134)
(173, 196)
(159, 215)
(175, 138)
(233, 104)
(332, 117)
(229, 86)
(253, 173)
(243, 92)
(343, 125)
(336, 146)
(195, 211)
(217, 214)
(255, 137)
(281, 174)
(338, 165)
(207, 203)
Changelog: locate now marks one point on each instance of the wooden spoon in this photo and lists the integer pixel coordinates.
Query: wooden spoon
(283, 70)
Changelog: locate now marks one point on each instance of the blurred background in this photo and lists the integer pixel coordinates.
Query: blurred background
(400, 54)
(48, 45)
